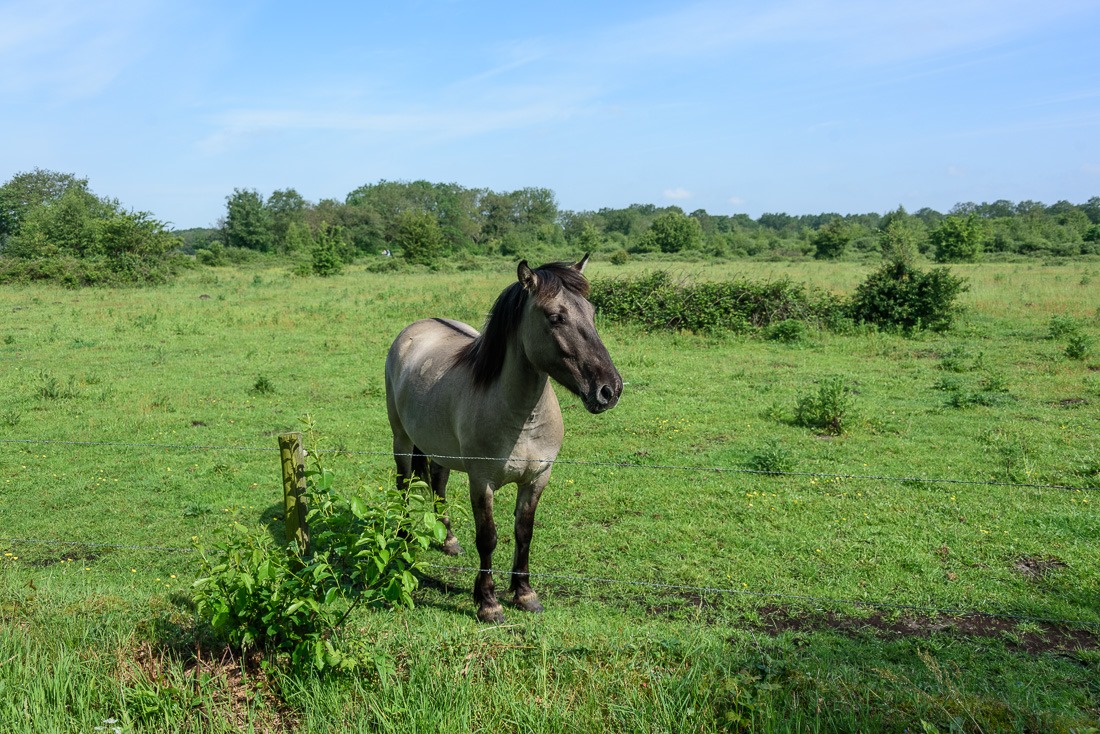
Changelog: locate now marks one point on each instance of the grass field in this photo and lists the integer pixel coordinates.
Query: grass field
(856, 591)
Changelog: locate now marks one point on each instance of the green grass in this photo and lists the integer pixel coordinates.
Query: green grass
(191, 384)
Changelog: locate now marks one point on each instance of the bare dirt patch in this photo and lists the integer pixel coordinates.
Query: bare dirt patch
(1035, 568)
(1037, 637)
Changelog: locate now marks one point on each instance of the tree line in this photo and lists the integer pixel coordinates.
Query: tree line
(52, 226)
(424, 222)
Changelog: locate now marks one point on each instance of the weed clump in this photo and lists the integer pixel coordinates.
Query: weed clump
(828, 410)
(771, 458)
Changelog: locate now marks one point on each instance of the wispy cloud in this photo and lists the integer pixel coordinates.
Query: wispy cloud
(239, 127)
(677, 194)
(70, 48)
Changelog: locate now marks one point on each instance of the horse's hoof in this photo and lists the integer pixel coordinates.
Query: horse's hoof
(491, 615)
(528, 602)
(451, 547)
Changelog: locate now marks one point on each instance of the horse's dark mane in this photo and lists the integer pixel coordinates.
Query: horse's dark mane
(484, 356)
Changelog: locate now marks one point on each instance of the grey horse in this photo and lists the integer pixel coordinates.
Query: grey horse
(483, 404)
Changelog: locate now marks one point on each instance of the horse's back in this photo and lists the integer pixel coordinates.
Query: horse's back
(423, 388)
(428, 347)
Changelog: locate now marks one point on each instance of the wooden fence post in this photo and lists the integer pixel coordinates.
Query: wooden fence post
(294, 489)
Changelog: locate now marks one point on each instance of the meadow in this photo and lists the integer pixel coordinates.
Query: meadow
(706, 563)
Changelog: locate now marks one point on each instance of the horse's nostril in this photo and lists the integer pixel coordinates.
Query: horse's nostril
(606, 395)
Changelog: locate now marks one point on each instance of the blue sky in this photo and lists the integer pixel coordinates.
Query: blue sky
(798, 107)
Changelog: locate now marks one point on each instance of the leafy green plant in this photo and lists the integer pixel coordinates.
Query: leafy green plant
(771, 458)
(959, 358)
(258, 594)
(263, 385)
(1078, 346)
(829, 409)
(325, 257)
(1061, 326)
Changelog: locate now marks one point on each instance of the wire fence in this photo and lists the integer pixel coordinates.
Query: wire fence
(576, 462)
(832, 602)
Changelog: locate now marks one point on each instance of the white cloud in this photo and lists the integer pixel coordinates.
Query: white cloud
(736, 201)
(677, 194)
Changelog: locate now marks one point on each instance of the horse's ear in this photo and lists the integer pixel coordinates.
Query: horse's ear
(579, 266)
(527, 277)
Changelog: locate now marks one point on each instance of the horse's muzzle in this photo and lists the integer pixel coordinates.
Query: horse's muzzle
(604, 396)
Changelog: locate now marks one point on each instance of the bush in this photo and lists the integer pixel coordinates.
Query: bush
(900, 296)
(788, 331)
(657, 302)
(54, 228)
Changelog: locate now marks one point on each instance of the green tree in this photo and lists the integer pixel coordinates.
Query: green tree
(673, 231)
(285, 208)
(901, 236)
(325, 256)
(831, 239)
(247, 222)
(28, 191)
(958, 239)
(418, 237)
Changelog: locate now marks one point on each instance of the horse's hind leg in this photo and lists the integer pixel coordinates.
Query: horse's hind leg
(481, 498)
(439, 476)
(527, 499)
(403, 457)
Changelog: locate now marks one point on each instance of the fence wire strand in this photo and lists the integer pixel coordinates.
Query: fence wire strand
(573, 578)
(582, 463)
(656, 585)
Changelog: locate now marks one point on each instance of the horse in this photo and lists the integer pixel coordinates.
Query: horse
(482, 403)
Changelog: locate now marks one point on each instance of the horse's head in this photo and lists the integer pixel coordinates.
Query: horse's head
(558, 333)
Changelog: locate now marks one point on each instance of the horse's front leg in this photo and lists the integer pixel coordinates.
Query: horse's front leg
(481, 498)
(527, 499)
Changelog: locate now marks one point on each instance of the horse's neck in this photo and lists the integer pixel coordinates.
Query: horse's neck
(522, 386)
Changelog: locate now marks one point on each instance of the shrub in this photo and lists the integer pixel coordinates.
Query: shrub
(901, 296)
(657, 302)
(325, 259)
(827, 410)
(831, 240)
(788, 331)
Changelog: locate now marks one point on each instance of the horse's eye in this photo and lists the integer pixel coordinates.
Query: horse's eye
(556, 319)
